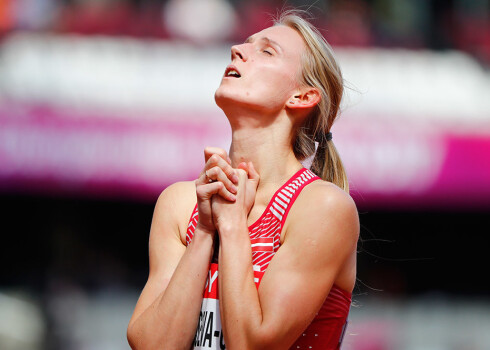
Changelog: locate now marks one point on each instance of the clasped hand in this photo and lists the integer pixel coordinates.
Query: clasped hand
(225, 195)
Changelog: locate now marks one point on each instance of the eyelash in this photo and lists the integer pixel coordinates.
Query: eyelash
(267, 52)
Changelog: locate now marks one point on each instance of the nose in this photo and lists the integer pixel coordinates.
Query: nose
(237, 51)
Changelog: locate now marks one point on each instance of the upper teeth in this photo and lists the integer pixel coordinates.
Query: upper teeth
(233, 72)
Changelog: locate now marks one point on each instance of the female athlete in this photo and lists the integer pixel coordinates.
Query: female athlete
(271, 243)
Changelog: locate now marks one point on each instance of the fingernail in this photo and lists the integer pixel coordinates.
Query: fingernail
(232, 197)
(234, 189)
(234, 178)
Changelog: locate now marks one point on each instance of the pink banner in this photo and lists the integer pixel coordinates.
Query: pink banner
(389, 164)
(397, 163)
(461, 180)
(43, 151)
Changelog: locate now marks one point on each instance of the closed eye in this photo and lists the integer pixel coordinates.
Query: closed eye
(267, 52)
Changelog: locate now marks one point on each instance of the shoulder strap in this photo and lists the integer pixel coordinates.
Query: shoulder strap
(192, 225)
(279, 205)
(284, 198)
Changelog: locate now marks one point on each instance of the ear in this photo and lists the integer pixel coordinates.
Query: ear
(306, 98)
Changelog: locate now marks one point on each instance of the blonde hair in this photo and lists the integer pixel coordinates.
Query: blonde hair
(321, 71)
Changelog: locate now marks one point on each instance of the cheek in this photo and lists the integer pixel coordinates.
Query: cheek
(280, 85)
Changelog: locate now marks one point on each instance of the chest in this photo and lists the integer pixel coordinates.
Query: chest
(265, 239)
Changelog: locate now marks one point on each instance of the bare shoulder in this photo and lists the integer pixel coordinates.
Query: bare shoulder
(327, 196)
(177, 196)
(178, 191)
(325, 208)
(175, 204)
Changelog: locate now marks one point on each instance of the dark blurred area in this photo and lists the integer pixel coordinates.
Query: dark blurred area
(95, 121)
(103, 245)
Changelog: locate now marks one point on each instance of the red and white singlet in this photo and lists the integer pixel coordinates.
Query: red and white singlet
(327, 328)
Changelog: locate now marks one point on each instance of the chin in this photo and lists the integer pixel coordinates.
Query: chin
(225, 99)
(235, 101)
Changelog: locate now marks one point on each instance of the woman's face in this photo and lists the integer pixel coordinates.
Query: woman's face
(264, 71)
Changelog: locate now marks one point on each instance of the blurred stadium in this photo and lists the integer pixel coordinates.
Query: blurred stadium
(104, 103)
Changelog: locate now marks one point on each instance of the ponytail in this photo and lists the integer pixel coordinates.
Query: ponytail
(328, 165)
(319, 70)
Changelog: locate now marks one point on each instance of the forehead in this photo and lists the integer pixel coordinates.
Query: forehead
(289, 39)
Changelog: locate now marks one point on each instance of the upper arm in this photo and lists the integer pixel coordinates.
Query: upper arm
(165, 245)
(319, 241)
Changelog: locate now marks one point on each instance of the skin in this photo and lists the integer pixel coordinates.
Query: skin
(263, 106)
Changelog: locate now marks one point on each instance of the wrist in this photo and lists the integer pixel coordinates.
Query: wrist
(232, 228)
(203, 236)
(203, 230)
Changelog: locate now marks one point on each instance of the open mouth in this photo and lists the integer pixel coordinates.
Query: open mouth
(232, 72)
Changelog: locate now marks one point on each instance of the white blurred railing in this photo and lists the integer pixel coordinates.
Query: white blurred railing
(127, 75)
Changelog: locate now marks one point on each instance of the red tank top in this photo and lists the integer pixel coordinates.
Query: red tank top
(327, 328)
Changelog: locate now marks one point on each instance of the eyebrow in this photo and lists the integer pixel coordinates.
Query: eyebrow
(250, 39)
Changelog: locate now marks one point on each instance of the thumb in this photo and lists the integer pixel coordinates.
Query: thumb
(253, 174)
(209, 151)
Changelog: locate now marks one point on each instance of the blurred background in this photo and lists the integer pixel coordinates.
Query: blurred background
(104, 103)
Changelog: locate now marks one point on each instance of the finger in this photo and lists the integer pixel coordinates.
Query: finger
(216, 160)
(209, 151)
(223, 192)
(252, 173)
(205, 192)
(217, 174)
(242, 174)
(243, 166)
(203, 179)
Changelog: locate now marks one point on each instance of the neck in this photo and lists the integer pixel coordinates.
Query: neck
(268, 147)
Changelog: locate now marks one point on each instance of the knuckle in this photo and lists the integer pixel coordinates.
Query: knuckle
(241, 172)
(220, 172)
(199, 191)
(221, 152)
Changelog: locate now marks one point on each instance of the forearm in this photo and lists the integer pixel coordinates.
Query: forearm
(239, 300)
(170, 321)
